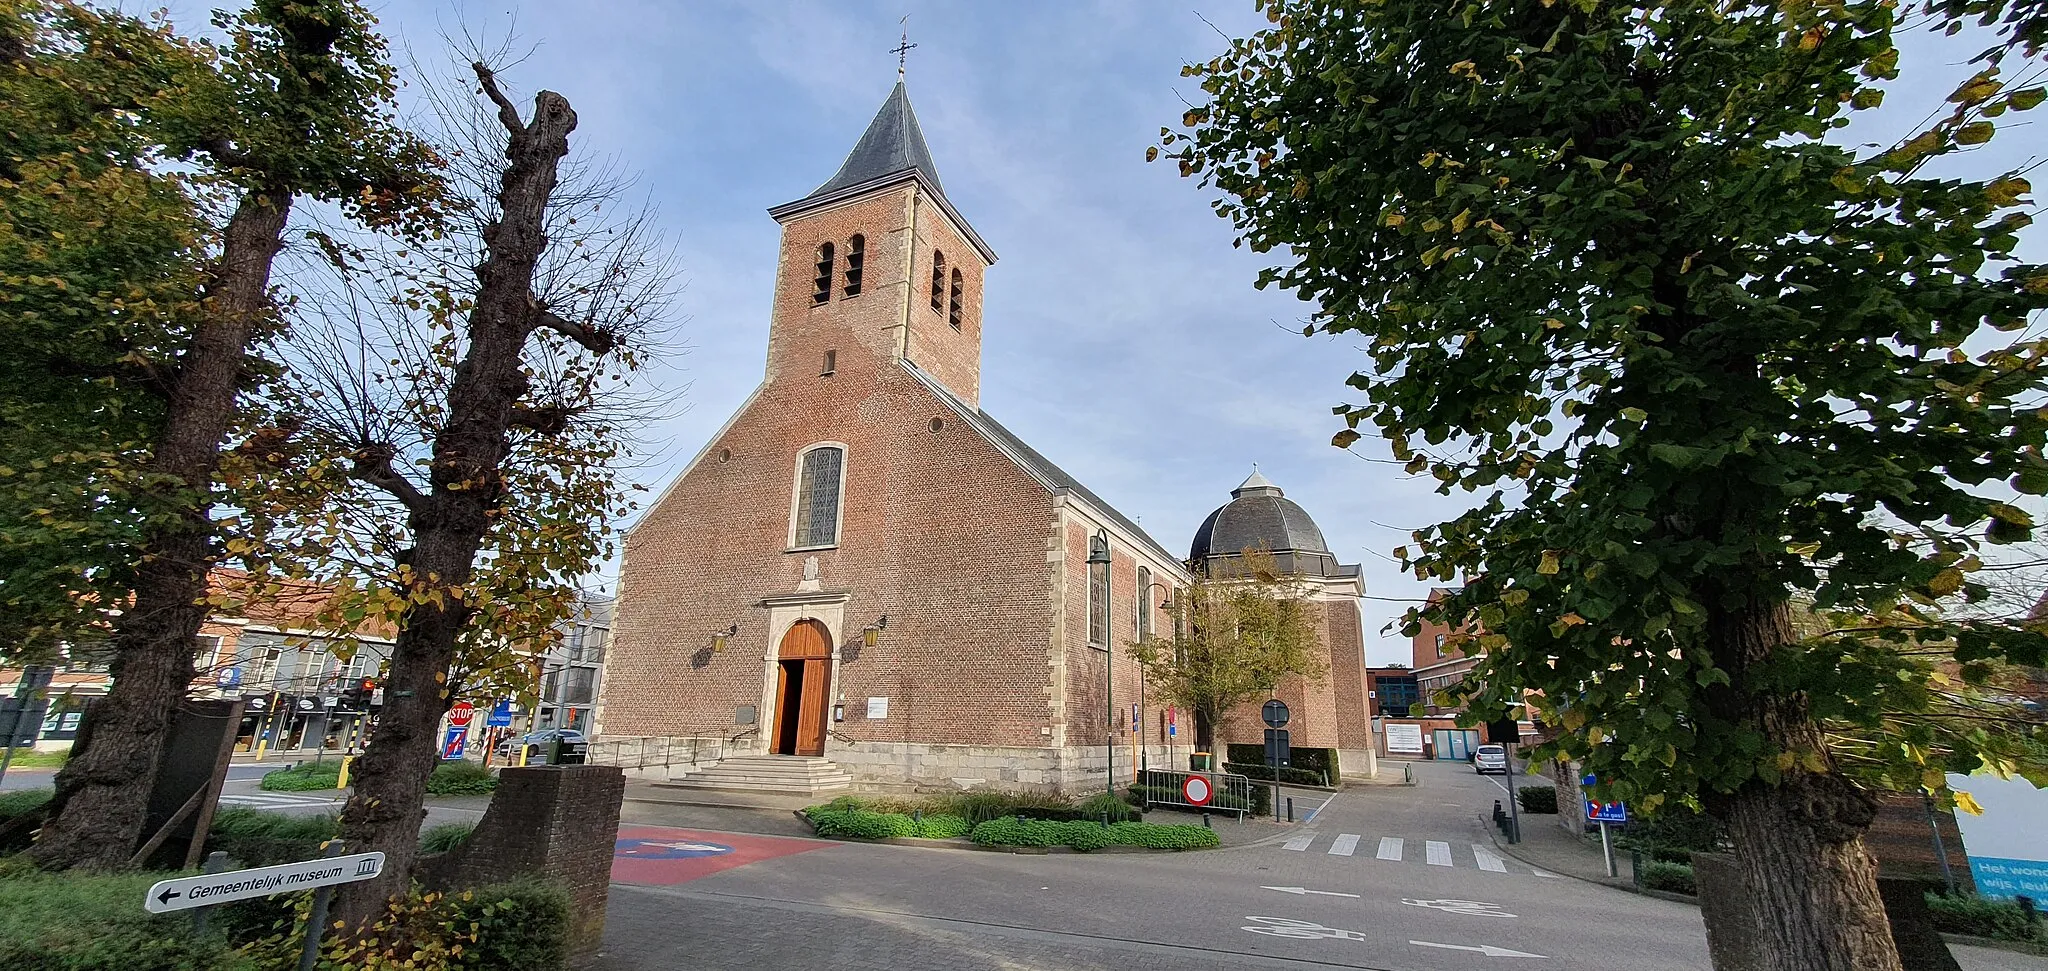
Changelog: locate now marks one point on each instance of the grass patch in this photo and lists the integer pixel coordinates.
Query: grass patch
(32, 759)
(303, 777)
(445, 837)
(1082, 835)
(254, 838)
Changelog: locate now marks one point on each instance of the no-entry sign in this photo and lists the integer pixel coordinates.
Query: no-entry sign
(1196, 791)
(461, 713)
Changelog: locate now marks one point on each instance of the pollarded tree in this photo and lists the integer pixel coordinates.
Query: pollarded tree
(1236, 636)
(1612, 274)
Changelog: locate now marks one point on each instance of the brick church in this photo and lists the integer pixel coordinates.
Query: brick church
(864, 567)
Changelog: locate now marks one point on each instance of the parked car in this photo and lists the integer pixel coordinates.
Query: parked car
(539, 744)
(1490, 758)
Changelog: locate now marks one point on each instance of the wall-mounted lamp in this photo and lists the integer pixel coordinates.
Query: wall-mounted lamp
(839, 711)
(718, 639)
(872, 633)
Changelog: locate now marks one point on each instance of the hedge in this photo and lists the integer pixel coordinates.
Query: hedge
(461, 779)
(1979, 917)
(1537, 799)
(83, 922)
(1082, 835)
(1320, 762)
(1265, 773)
(303, 777)
(1668, 877)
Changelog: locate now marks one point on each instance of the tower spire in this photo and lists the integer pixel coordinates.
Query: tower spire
(902, 49)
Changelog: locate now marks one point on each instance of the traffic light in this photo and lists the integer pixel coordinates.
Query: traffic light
(358, 694)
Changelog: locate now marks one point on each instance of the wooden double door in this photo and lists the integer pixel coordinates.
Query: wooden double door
(803, 675)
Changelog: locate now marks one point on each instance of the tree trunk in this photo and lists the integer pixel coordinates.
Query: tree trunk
(1799, 842)
(1205, 732)
(103, 795)
(450, 519)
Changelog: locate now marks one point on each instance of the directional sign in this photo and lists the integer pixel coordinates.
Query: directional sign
(461, 713)
(501, 715)
(1196, 791)
(454, 744)
(208, 889)
(1606, 812)
(1274, 713)
(1486, 949)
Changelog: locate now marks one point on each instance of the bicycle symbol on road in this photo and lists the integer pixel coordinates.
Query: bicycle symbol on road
(1470, 908)
(1300, 930)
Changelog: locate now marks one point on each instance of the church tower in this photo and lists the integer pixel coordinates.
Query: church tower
(877, 266)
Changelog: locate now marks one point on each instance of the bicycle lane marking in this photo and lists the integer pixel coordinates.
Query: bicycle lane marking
(664, 856)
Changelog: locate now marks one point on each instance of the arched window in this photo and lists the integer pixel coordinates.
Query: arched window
(823, 291)
(938, 281)
(953, 300)
(820, 477)
(856, 256)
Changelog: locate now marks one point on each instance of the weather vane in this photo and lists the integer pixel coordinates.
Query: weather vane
(902, 50)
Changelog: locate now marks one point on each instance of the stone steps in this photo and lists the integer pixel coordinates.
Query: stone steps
(767, 773)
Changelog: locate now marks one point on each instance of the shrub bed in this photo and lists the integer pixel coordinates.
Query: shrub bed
(1082, 835)
(303, 777)
(81, 922)
(1668, 877)
(445, 837)
(1319, 762)
(1288, 775)
(254, 838)
(1979, 917)
(854, 822)
(1537, 799)
(461, 779)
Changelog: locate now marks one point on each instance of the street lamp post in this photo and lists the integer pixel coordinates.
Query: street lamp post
(1098, 555)
(1144, 757)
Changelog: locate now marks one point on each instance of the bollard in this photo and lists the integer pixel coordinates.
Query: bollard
(1205, 822)
(1290, 809)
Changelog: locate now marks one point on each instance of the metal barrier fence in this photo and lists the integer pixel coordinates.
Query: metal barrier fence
(1228, 791)
(655, 751)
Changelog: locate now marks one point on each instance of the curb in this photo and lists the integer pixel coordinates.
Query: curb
(1618, 883)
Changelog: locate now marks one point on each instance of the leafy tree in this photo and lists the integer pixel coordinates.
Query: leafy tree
(296, 101)
(1239, 631)
(1695, 357)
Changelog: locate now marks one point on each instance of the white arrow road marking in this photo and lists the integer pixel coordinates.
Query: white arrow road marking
(1299, 843)
(1488, 861)
(1344, 845)
(1298, 891)
(1390, 848)
(1542, 873)
(1486, 949)
(1439, 854)
(1471, 908)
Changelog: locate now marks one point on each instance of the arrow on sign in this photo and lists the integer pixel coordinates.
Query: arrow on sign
(1298, 891)
(1486, 949)
(165, 897)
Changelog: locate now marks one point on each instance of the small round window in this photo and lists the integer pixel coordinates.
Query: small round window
(725, 455)
(938, 423)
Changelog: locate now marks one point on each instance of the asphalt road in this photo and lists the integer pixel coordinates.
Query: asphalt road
(1336, 892)
(242, 789)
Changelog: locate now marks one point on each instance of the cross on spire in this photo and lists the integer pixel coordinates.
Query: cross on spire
(902, 50)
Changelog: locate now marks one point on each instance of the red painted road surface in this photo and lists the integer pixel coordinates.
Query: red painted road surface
(662, 856)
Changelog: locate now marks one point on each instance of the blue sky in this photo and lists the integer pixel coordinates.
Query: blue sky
(1118, 296)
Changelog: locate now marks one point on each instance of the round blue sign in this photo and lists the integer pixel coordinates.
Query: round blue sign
(656, 849)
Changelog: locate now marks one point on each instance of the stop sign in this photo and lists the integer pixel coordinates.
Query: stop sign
(461, 714)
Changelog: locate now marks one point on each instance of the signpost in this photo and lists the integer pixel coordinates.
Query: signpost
(319, 876)
(501, 714)
(1275, 714)
(1605, 813)
(25, 708)
(455, 743)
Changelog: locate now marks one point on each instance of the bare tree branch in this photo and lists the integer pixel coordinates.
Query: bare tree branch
(373, 465)
(508, 114)
(594, 340)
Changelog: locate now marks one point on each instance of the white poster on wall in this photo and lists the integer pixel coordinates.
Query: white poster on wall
(2006, 844)
(878, 709)
(1404, 738)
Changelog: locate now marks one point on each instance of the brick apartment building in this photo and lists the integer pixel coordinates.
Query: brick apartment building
(862, 564)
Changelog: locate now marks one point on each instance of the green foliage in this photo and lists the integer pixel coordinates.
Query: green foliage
(31, 759)
(981, 805)
(850, 821)
(1668, 877)
(1287, 774)
(521, 924)
(445, 836)
(461, 779)
(79, 922)
(303, 777)
(1674, 833)
(1980, 917)
(1537, 799)
(1103, 804)
(1234, 637)
(254, 838)
(16, 831)
(1319, 763)
(1084, 835)
(1692, 353)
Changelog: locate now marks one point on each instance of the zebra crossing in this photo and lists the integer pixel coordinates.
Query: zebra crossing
(269, 800)
(1397, 849)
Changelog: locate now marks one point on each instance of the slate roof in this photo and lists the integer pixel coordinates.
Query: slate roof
(1260, 516)
(892, 151)
(1038, 466)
